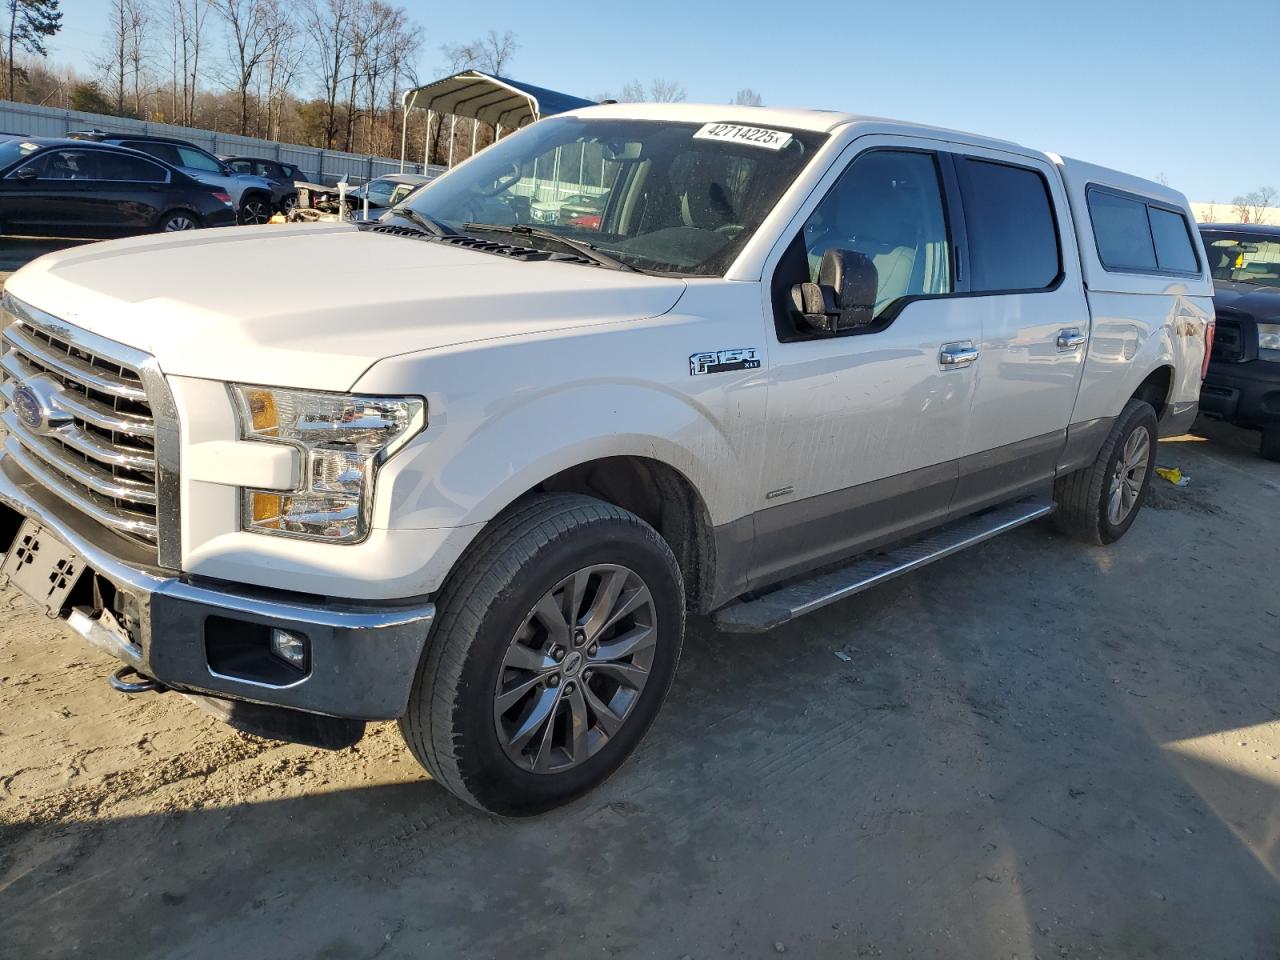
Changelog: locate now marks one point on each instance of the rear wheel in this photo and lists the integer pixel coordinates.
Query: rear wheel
(176, 220)
(1099, 503)
(554, 646)
(1270, 443)
(288, 203)
(255, 209)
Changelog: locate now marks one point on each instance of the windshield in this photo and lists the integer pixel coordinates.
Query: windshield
(663, 197)
(1244, 257)
(15, 149)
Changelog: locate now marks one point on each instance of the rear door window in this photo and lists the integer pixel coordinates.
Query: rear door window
(121, 166)
(66, 165)
(1013, 236)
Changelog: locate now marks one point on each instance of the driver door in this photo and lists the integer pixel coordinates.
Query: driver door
(866, 427)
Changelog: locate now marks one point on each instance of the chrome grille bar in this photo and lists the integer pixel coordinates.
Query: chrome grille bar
(115, 458)
(71, 367)
(81, 405)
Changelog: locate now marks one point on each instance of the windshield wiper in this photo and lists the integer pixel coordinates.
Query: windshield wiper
(578, 246)
(429, 224)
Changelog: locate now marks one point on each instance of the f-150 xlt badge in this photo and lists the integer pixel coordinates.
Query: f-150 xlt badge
(723, 361)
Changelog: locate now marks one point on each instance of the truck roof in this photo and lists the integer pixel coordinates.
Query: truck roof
(819, 121)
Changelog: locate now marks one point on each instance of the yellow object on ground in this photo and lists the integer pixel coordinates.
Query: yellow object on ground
(1173, 475)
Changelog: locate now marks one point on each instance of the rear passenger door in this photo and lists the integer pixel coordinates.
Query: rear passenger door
(132, 193)
(1026, 294)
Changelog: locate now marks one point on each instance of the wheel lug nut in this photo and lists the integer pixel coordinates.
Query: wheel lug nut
(579, 637)
(553, 680)
(557, 654)
(593, 649)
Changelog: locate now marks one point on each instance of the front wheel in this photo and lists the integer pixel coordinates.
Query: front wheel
(1099, 503)
(555, 643)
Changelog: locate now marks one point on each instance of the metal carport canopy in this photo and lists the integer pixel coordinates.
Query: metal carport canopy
(488, 98)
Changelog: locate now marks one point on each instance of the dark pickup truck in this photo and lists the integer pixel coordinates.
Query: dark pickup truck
(1243, 383)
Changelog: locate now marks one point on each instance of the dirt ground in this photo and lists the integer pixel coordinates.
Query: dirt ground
(1036, 749)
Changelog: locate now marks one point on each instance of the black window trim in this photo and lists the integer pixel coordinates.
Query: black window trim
(1061, 275)
(948, 167)
(142, 158)
(784, 326)
(1147, 202)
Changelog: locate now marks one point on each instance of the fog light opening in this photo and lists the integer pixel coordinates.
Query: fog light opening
(291, 647)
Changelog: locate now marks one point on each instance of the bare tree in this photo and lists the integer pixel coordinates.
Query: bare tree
(123, 60)
(250, 31)
(284, 56)
(186, 31)
(747, 97)
(1210, 213)
(659, 91)
(1252, 206)
(330, 24)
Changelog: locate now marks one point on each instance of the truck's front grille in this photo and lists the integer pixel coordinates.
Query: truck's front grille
(1228, 341)
(101, 457)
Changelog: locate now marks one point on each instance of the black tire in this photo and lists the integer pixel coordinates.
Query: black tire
(450, 724)
(179, 220)
(256, 209)
(1084, 496)
(288, 203)
(1270, 446)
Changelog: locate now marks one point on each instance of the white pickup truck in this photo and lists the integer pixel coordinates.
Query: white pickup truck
(471, 471)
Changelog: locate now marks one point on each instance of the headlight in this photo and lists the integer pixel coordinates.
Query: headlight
(1269, 341)
(343, 439)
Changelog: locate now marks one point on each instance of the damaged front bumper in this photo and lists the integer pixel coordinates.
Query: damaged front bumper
(210, 640)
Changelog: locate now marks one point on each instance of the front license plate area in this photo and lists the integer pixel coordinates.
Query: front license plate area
(42, 567)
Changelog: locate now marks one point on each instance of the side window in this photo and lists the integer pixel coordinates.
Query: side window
(120, 166)
(1137, 236)
(888, 206)
(1174, 251)
(198, 161)
(161, 151)
(1121, 231)
(66, 165)
(1013, 237)
(241, 166)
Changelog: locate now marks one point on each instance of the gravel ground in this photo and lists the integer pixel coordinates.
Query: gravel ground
(1034, 749)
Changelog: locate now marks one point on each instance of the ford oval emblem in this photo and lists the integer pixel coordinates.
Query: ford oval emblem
(27, 406)
(35, 402)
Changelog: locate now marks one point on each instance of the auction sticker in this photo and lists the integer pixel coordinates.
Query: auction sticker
(751, 136)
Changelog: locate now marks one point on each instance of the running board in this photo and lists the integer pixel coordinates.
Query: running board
(798, 598)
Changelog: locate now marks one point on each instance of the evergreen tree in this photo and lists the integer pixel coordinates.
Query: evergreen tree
(31, 22)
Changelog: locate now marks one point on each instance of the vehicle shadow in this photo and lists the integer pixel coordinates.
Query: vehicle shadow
(1031, 748)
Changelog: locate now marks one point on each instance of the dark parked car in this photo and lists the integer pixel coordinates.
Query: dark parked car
(1243, 383)
(250, 194)
(283, 178)
(68, 188)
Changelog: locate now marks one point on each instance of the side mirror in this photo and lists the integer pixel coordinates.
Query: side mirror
(26, 173)
(844, 297)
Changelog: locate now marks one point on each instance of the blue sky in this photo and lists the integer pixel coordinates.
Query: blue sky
(1124, 83)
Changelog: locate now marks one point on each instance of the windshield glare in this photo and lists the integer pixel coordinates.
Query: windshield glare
(645, 192)
(1244, 257)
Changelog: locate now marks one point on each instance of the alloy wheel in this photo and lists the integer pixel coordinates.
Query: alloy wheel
(179, 222)
(1129, 475)
(255, 211)
(574, 671)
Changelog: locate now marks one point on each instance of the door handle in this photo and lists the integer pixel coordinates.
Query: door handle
(958, 354)
(1071, 338)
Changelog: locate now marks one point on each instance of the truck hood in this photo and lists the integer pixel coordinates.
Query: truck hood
(1259, 302)
(315, 306)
